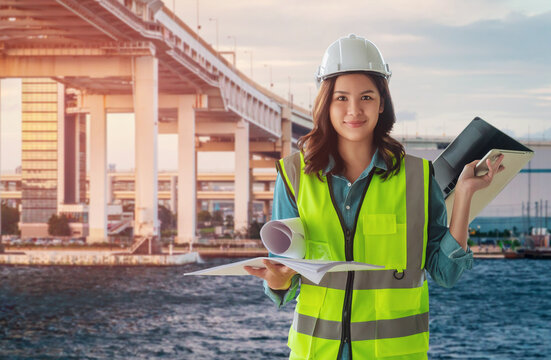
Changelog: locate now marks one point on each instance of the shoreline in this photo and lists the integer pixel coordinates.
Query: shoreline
(87, 257)
(84, 256)
(487, 252)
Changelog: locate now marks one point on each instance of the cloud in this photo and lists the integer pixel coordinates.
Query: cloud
(435, 48)
(405, 115)
(541, 90)
(517, 40)
(545, 134)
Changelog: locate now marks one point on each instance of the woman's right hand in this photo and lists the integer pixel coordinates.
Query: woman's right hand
(277, 276)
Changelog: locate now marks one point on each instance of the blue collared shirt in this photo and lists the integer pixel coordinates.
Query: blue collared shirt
(445, 258)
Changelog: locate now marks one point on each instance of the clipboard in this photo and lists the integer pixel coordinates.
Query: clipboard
(513, 161)
(473, 143)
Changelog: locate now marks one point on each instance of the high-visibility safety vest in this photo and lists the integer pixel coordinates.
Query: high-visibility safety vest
(382, 314)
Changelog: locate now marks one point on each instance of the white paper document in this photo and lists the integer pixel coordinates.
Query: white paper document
(284, 238)
(313, 270)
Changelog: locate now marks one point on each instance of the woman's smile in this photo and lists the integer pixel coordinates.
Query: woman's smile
(355, 123)
(355, 108)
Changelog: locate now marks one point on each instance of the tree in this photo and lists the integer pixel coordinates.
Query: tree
(254, 230)
(204, 216)
(10, 218)
(229, 221)
(59, 225)
(217, 218)
(166, 217)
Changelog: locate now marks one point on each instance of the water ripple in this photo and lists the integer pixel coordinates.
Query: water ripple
(499, 310)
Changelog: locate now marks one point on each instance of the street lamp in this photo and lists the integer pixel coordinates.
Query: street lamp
(234, 48)
(270, 68)
(251, 53)
(216, 21)
(198, 26)
(290, 95)
(234, 42)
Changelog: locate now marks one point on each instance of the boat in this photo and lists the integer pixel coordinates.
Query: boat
(514, 254)
(538, 253)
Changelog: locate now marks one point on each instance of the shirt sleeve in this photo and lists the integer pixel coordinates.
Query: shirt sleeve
(283, 207)
(445, 258)
(282, 297)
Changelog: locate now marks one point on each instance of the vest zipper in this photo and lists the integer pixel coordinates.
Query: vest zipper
(349, 254)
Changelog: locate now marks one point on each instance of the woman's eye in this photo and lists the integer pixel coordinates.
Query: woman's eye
(366, 97)
(341, 98)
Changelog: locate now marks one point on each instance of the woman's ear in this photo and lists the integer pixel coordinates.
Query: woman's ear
(382, 106)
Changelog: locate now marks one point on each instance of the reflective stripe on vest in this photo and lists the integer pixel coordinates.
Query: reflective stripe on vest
(369, 280)
(389, 308)
(368, 330)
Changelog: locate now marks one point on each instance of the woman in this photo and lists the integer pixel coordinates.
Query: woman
(361, 198)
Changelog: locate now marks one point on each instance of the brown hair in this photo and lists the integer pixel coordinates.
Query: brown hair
(321, 141)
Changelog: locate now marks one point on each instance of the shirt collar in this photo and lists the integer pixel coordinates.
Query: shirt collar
(377, 161)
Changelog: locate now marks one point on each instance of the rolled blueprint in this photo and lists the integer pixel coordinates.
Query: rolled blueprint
(284, 238)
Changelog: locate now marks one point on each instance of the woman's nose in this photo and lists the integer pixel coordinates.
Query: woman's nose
(354, 107)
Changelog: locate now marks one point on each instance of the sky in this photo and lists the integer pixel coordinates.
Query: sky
(451, 61)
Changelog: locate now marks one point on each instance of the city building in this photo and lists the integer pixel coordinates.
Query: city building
(53, 155)
(41, 113)
(522, 205)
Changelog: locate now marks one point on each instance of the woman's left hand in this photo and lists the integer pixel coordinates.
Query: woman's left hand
(470, 183)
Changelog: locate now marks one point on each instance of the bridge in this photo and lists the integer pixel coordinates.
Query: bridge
(136, 56)
(120, 186)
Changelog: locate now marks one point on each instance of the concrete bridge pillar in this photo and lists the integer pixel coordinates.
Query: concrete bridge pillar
(266, 210)
(98, 170)
(286, 132)
(173, 194)
(242, 207)
(110, 189)
(146, 107)
(187, 170)
(266, 204)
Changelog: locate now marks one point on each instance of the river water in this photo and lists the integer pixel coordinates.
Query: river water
(499, 310)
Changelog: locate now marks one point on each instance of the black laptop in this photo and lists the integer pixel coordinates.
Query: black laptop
(477, 139)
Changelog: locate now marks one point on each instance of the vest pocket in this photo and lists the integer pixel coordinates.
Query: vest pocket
(309, 303)
(318, 250)
(380, 224)
(403, 346)
(385, 241)
(403, 322)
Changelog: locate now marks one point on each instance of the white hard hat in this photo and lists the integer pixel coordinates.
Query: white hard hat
(352, 53)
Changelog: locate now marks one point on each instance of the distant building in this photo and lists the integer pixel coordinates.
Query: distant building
(522, 204)
(39, 158)
(53, 158)
(47, 167)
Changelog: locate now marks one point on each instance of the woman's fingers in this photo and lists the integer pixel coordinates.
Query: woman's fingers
(272, 267)
(468, 179)
(259, 272)
(278, 276)
(271, 271)
(493, 168)
(278, 269)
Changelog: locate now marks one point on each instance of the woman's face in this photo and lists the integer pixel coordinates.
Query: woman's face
(355, 107)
